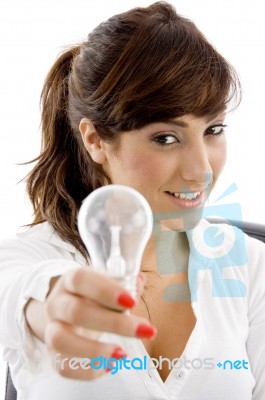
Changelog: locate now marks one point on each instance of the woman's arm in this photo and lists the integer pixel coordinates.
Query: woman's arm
(35, 314)
(26, 269)
(63, 304)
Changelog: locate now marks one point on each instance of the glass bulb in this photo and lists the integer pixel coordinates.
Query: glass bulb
(115, 223)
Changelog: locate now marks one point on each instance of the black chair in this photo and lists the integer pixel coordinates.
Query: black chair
(250, 228)
(11, 393)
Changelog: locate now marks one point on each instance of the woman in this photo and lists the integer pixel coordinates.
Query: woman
(141, 103)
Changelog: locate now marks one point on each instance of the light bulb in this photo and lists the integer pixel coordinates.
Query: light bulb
(115, 223)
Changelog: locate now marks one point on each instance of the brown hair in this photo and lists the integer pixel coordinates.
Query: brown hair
(142, 66)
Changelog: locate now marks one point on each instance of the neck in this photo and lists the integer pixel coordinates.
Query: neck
(166, 252)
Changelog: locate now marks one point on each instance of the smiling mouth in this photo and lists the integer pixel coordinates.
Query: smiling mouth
(185, 196)
(188, 199)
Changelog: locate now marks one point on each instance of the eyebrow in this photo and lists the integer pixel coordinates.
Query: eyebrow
(184, 124)
(179, 122)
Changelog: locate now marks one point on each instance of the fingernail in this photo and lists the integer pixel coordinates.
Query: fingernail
(118, 353)
(145, 331)
(125, 300)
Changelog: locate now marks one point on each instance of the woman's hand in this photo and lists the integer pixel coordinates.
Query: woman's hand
(80, 306)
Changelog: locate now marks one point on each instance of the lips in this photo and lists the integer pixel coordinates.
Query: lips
(188, 199)
(186, 195)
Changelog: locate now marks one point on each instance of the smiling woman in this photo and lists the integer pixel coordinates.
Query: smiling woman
(155, 160)
(120, 83)
(142, 103)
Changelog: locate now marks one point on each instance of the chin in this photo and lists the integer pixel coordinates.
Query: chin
(179, 220)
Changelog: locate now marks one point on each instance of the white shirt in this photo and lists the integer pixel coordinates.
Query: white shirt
(228, 298)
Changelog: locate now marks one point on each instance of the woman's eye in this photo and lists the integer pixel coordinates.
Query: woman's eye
(216, 130)
(166, 139)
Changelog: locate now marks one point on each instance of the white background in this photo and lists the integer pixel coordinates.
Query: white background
(32, 33)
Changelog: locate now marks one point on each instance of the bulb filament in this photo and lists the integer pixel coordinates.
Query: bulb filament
(116, 263)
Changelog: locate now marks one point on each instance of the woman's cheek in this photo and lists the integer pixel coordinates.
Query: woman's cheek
(218, 160)
(144, 173)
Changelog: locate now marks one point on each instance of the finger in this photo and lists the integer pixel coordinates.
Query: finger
(69, 366)
(92, 285)
(78, 358)
(63, 338)
(76, 311)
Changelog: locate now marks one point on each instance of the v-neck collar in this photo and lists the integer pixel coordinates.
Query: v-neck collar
(192, 346)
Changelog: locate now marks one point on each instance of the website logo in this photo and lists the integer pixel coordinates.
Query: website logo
(146, 363)
(217, 248)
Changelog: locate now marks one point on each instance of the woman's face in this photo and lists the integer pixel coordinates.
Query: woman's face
(173, 164)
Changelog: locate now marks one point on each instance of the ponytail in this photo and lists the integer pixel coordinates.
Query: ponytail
(56, 186)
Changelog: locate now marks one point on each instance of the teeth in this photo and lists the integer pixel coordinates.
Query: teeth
(186, 196)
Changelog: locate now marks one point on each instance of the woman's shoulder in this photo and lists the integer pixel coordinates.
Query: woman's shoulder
(256, 264)
(230, 243)
(37, 238)
(237, 233)
(249, 254)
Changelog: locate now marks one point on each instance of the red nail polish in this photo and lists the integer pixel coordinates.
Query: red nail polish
(125, 300)
(118, 353)
(145, 331)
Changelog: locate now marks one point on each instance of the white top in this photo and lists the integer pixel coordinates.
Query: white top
(228, 299)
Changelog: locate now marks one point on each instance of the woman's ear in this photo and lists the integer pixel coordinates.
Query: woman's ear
(92, 142)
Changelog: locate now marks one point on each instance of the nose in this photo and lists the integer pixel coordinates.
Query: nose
(195, 166)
